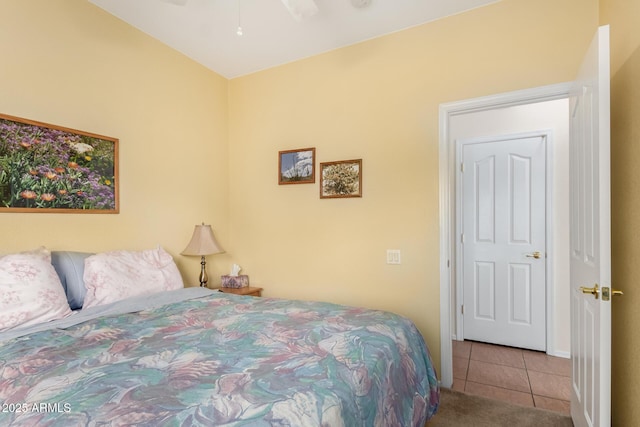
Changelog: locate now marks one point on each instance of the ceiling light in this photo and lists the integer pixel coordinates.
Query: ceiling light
(239, 30)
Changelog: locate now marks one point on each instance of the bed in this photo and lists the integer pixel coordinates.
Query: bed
(194, 356)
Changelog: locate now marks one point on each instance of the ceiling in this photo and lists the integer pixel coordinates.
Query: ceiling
(206, 30)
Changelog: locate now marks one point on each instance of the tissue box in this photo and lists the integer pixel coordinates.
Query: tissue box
(239, 281)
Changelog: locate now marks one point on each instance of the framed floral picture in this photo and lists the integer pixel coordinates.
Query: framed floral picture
(297, 166)
(341, 179)
(48, 168)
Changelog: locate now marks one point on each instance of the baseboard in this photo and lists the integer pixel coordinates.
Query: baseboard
(563, 354)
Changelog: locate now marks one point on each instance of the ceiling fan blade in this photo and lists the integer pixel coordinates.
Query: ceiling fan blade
(301, 9)
(176, 2)
(360, 3)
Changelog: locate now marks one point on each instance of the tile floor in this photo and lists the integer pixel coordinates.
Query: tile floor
(523, 377)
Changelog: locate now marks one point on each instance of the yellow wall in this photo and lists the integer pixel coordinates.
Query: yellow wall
(196, 147)
(622, 16)
(69, 63)
(378, 101)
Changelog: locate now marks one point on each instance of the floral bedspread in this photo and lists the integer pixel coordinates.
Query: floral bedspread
(222, 360)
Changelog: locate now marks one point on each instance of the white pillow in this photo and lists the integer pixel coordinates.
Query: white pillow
(30, 290)
(113, 276)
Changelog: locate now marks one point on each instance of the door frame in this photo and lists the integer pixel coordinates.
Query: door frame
(547, 136)
(447, 210)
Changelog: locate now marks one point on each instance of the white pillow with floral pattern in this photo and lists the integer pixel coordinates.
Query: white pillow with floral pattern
(30, 290)
(113, 276)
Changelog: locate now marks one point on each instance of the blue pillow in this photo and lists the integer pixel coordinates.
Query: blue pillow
(70, 267)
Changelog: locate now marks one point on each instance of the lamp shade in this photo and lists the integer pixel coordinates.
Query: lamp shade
(202, 242)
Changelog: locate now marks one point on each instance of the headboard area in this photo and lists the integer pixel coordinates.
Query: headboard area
(70, 267)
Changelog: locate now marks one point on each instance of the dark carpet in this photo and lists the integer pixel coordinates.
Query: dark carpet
(462, 410)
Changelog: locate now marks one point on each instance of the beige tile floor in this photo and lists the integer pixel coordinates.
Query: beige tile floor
(524, 377)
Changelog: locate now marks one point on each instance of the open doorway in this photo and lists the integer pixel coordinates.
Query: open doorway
(513, 113)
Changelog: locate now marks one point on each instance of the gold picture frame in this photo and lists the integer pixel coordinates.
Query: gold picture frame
(341, 179)
(297, 166)
(54, 169)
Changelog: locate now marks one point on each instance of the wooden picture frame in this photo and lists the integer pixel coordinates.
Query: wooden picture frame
(341, 179)
(49, 168)
(297, 166)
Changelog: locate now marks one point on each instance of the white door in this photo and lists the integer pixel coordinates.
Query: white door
(591, 239)
(503, 240)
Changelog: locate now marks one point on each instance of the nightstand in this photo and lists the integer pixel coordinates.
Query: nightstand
(247, 290)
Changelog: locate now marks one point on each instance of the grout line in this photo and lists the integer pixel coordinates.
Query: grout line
(466, 377)
(533, 399)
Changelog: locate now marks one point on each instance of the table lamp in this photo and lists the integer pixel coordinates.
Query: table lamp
(202, 243)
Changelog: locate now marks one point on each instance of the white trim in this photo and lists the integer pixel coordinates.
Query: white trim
(447, 178)
(457, 266)
(551, 284)
(563, 354)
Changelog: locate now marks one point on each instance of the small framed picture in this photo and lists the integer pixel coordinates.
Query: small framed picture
(341, 179)
(297, 166)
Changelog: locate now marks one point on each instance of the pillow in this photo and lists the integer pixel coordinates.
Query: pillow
(30, 290)
(70, 268)
(113, 276)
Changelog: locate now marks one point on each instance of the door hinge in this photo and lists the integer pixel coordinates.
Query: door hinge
(462, 238)
(462, 308)
(461, 167)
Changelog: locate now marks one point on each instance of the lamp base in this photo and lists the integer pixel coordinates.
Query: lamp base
(203, 273)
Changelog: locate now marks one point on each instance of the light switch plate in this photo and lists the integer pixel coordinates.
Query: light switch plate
(393, 256)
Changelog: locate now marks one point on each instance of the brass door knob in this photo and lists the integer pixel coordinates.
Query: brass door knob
(535, 255)
(593, 291)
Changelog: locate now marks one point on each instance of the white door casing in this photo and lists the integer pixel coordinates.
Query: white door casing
(502, 219)
(447, 169)
(590, 257)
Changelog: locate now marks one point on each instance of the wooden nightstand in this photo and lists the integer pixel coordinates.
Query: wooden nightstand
(247, 290)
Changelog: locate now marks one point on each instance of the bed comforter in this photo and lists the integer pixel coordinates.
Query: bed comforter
(222, 360)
